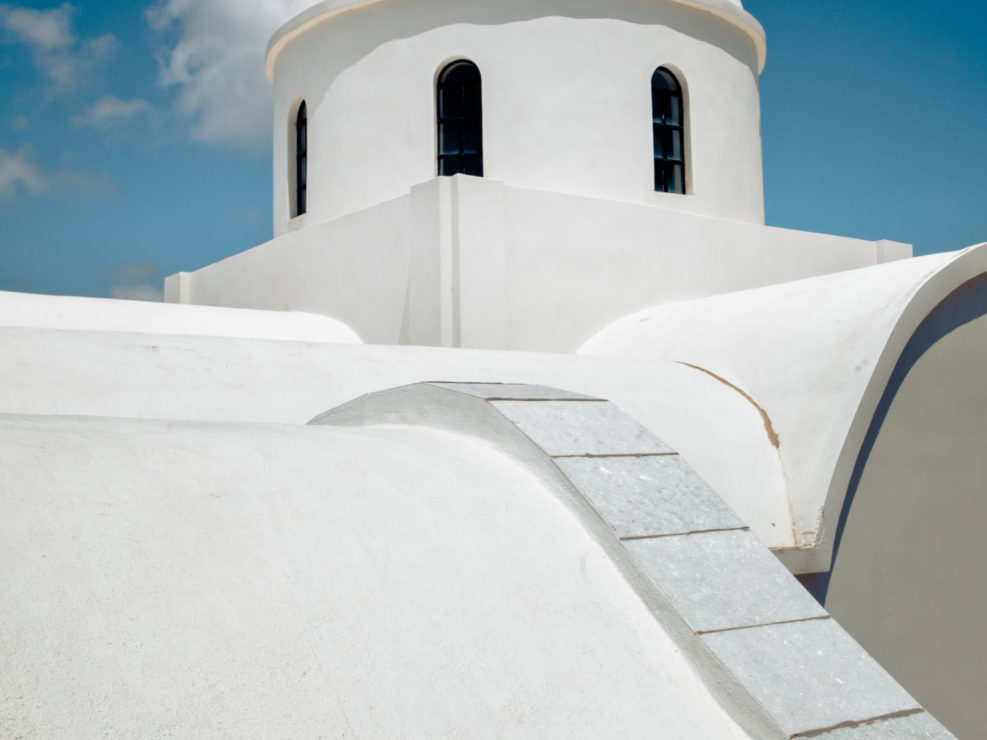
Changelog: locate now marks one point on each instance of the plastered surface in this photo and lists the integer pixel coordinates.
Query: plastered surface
(203, 580)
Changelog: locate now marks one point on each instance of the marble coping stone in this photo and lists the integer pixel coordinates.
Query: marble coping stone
(724, 580)
(765, 634)
(918, 726)
(649, 496)
(581, 428)
(810, 675)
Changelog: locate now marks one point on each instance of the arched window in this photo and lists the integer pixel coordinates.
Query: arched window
(668, 128)
(301, 159)
(459, 113)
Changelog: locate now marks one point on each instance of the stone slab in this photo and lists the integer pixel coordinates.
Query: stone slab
(642, 496)
(581, 428)
(921, 726)
(809, 676)
(724, 580)
(513, 391)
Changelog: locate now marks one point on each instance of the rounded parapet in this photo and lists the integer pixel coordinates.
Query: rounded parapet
(731, 11)
(782, 667)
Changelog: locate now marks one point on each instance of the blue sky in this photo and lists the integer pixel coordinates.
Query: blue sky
(134, 137)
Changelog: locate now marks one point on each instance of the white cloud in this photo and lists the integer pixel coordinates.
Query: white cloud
(21, 175)
(65, 60)
(133, 281)
(70, 69)
(46, 30)
(214, 57)
(20, 122)
(137, 293)
(18, 174)
(110, 111)
(130, 273)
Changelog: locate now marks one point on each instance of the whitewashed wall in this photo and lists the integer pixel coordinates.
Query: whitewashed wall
(470, 262)
(566, 98)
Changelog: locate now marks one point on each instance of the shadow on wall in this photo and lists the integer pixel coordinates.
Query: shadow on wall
(907, 573)
(963, 306)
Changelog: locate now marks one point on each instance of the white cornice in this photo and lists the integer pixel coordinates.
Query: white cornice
(327, 9)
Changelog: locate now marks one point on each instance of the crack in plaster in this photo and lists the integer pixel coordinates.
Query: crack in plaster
(768, 426)
(775, 440)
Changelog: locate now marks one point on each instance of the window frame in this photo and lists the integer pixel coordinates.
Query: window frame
(669, 133)
(458, 120)
(300, 194)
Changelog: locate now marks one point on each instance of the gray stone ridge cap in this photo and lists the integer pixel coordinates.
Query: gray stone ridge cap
(768, 652)
(326, 9)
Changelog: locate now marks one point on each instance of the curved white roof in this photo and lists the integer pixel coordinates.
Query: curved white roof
(254, 582)
(732, 11)
(148, 317)
(435, 573)
(249, 579)
(164, 375)
(814, 354)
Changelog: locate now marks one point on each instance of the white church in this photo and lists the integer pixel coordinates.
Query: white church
(523, 425)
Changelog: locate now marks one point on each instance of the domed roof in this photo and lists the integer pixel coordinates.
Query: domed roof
(731, 11)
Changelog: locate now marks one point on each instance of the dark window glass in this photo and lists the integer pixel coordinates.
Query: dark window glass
(449, 166)
(470, 139)
(674, 113)
(667, 132)
(301, 159)
(472, 166)
(674, 150)
(676, 183)
(450, 105)
(449, 139)
(459, 113)
(472, 107)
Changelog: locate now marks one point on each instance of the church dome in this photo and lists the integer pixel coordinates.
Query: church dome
(569, 103)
